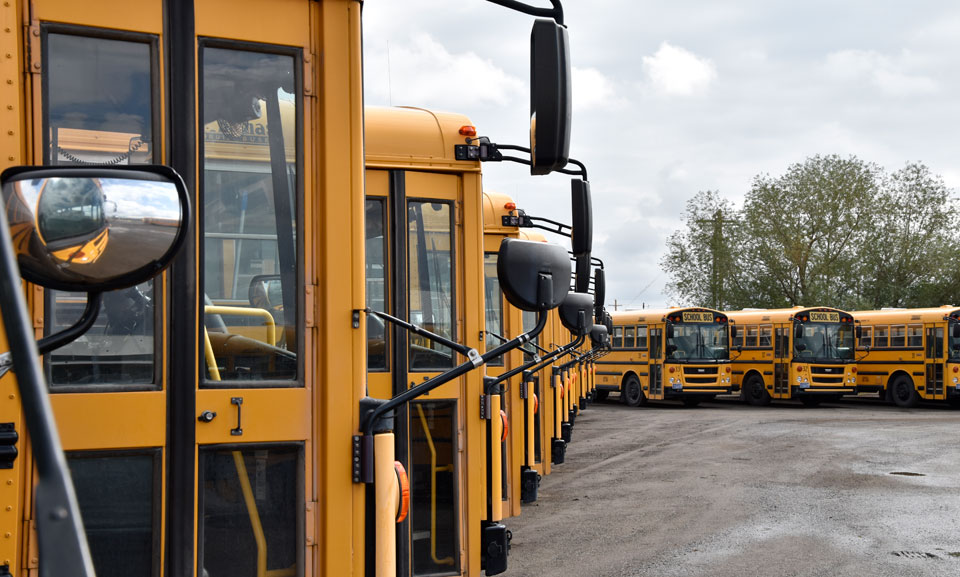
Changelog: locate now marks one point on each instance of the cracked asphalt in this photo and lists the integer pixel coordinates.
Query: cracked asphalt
(854, 489)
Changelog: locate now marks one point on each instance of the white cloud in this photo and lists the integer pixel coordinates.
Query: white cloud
(424, 73)
(591, 88)
(678, 72)
(890, 75)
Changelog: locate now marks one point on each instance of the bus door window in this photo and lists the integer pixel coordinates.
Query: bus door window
(781, 354)
(434, 501)
(656, 367)
(376, 275)
(934, 362)
(250, 157)
(100, 107)
(430, 277)
(493, 300)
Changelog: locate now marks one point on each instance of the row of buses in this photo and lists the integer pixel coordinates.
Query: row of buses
(358, 363)
(807, 354)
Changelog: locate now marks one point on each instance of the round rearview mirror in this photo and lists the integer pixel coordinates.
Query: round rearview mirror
(576, 313)
(598, 335)
(94, 229)
(525, 267)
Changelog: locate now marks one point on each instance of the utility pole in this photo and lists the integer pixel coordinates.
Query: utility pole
(716, 245)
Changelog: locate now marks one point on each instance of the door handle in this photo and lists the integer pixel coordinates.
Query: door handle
(238, 401)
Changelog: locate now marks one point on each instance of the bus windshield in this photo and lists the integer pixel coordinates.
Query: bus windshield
(698, 342)
(824, 342)
(954, 342)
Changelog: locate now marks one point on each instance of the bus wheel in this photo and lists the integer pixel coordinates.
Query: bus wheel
(755, 392)
(903, 393)
(692, 401)
(600, 395)
(633, 392)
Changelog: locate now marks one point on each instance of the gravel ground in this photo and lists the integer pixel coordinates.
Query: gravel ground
(731, 490)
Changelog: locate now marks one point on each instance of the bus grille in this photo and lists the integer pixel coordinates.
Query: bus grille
(700, 380)
(828, 380)
(701, 370)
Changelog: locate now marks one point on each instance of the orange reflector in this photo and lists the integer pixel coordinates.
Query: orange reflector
(467, 130)
(510, 206)
(536, 401)
(854, 370)
(728, 369)
(404, 482)
(506, 426)
(672, 369)
(956, 370)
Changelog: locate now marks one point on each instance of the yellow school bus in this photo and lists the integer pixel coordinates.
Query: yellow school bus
(909, 355)
(222, 401)
(801, 353)
(657, 354)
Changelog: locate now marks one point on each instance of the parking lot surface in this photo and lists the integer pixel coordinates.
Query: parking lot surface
(848, 489)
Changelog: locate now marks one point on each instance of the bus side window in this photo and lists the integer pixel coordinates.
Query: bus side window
(618, 337)
(898, 336)
(751, 337)
(881, 336)
(642, 337)
(915, 336)
(866, 337)
(766, 331)
(628, 337)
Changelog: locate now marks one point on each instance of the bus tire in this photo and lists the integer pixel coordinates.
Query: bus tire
(755, 391)
(632, 392)
(599, 396)
(903, 393)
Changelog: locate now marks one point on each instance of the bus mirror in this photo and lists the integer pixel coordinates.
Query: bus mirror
(669, 331)
(581, 282)
(266, 292)
(733, 331)
(520, 266)
(581, 239)
(599, 290)
(549, 97)
(93, 229)
(598, 335)
(608, 322)
(797, 331)
(577, 308)
(956, 330)
(858, 331)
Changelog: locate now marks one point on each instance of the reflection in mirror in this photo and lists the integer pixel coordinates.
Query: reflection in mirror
(79, 232)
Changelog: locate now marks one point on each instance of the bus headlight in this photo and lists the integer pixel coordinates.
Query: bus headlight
(672, 380)
(955, 380)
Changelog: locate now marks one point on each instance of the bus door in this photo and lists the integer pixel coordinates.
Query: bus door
(229, 421)
(656, 364)
(781, 361)
(413, 274)
(934, 362)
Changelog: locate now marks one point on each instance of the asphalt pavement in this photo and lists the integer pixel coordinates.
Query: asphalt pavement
(855, 489)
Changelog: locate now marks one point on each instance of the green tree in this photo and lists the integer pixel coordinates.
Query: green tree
(907, 255)
(804, 228)
(701, 258)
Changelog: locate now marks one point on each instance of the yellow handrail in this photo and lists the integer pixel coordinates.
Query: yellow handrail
(433, 490)
(252, 513)
(247, 312)
(210, 357)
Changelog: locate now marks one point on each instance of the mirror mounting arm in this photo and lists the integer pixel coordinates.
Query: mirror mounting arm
(462, 349)
(504, 339)
(556, 12)
(90, 314)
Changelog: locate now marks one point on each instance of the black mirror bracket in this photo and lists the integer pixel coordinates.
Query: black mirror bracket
(90, 313)
(556, 12)
(464, 350)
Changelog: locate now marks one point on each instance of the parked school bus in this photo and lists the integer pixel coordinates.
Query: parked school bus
(909, 355)
(657, 354)
(800, 353)
(230, 447)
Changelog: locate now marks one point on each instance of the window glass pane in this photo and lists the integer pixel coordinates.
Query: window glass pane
(617, 337)
(881, 336)
(751, 336)
(641, 337)
(430, 279)
(529, 322)
(898, 336)
(118, 495)
(628, 337)
(494, 305)
(244, 492)
(100, 111)
(433, 488)
(866, 337)
(249, 207)
(766, 332)
(376, 284)
(915, 336)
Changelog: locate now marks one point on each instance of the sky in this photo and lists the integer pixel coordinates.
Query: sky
(670, 98)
